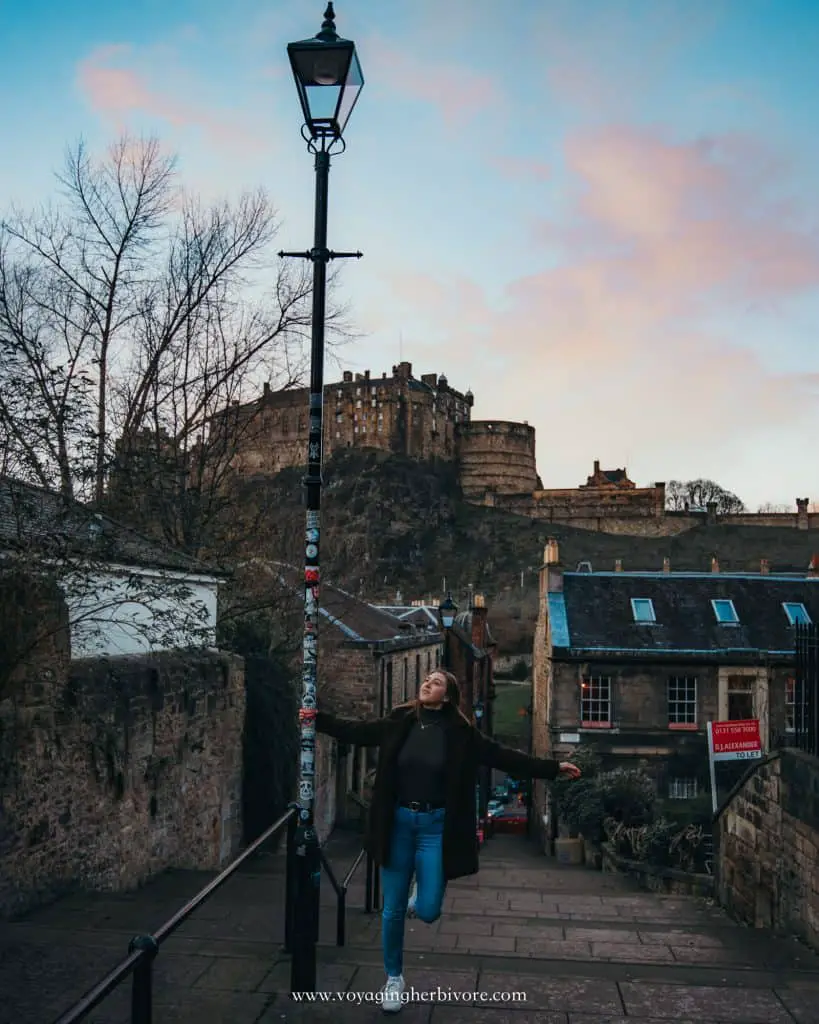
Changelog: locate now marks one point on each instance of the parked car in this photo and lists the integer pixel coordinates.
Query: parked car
(494, 807)
(510, 820)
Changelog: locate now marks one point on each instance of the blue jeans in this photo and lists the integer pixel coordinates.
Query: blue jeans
(417, 848)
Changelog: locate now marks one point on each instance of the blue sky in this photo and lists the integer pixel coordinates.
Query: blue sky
(600, 217)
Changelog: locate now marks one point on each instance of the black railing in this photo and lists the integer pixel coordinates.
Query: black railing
(143, 949)
(806, 696)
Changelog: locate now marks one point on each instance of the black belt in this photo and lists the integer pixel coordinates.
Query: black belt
(422, 808)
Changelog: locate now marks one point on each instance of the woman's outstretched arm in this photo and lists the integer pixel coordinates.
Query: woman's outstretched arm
(349, 730)
(518, 764)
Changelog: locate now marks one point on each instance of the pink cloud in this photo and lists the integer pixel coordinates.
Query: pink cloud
(117, 92)
(617, 343)
(458, 93)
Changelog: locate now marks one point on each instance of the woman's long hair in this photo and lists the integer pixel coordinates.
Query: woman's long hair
(453, 695)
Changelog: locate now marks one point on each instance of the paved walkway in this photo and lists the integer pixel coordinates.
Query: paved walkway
(583, 947)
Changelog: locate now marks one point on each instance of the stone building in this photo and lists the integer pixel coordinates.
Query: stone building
(634, 664)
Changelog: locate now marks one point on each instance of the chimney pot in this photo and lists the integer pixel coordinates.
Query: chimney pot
(618, 564)
(479, 601)
(715, 564)
(764, 566)
(551, 553)
(666, 565)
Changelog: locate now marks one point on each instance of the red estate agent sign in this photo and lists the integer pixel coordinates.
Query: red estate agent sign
(735, 741)
(732, 741)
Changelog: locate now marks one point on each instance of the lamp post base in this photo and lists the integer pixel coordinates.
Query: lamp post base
(306, 901)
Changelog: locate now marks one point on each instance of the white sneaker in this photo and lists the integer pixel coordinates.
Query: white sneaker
(392, 993)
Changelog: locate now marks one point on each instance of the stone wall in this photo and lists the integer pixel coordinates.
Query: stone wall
(113, 770)
(768, 847)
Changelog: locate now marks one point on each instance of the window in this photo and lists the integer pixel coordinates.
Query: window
(682, 789)
(790, 704)
(643, 609)
(797, 613)
(373, 391)
(358, 404)
(388, 689)
(740, 698)
(725, 612)
(339, 393)
(595, 702)
(682, 702)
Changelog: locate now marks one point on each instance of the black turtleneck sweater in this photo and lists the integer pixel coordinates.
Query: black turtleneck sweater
(422, 765)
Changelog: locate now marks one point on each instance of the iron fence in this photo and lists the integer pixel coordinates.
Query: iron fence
(806, 702)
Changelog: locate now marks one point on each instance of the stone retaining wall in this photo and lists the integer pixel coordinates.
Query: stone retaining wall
(768, 846)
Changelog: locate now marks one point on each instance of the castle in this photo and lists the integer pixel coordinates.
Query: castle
(426, 418)
(421, 418)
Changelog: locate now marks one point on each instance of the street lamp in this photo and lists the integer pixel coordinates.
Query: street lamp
(447, 610)
(329, 80)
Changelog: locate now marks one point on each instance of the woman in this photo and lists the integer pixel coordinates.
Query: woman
(422, 814)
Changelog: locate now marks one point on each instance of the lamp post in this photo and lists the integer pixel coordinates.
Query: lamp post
(328, 79)
(447, 610)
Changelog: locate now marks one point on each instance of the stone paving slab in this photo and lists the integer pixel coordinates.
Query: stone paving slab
(586, 948)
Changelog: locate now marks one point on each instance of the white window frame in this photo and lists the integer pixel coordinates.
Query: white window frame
(787, 605)
(725, 622)
(680, 707)
(790, 704)
(595, 696)
(635, 601)
(683, 789)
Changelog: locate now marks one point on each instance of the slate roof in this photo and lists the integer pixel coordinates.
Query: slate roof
(594, 614)
(422, 616)
(40, 521)
(354, 618)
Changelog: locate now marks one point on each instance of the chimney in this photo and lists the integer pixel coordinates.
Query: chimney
(802, 522)
(618, 564)
(764, 566)
(478, 620)
(666, 565)
(596, 466)
(266, 391)
(711, 513)
(551, 553)
(550, 578)
(366, 375)
(347, 376)
(715, 564)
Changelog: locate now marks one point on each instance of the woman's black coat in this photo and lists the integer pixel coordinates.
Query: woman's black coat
(466, 750)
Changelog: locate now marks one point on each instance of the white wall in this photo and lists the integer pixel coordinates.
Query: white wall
(124, 611)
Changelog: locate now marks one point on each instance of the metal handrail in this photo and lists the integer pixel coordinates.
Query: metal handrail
(371, 885)
(143, 949)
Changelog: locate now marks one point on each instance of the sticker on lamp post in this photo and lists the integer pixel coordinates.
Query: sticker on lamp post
(732, 741)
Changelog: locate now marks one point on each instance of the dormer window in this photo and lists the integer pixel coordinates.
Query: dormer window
(797, 613)
(643, 609)
(725, 612)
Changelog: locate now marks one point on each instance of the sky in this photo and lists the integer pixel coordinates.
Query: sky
(600, 217)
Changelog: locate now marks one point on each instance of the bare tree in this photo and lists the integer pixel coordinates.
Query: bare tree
(770, 508)
(681, 495)
(128, 306)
